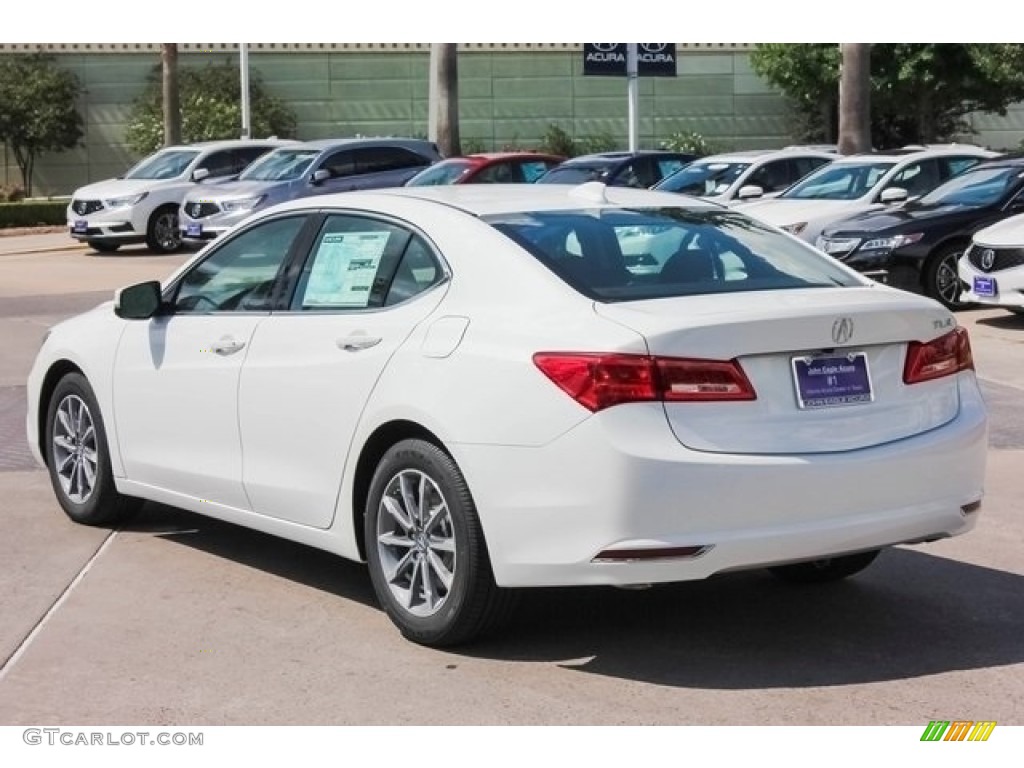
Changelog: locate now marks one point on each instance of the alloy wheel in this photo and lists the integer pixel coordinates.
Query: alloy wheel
(75, 454)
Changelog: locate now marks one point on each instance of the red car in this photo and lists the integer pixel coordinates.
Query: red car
(487, 168)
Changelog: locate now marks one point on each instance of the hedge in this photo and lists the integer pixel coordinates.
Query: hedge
(42, 213)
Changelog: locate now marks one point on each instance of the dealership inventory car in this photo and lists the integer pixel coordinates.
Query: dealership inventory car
(618, 169)
(857, 183)
(992, 268)
(487, 168)
(301, 170)
(142, 206)
(744, 175)
(917, 246)
(473, 390)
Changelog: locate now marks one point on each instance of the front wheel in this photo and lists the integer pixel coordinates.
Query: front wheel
(162, 233)
(78, 457)
(425, 548)
(941, 279)
(825, 570)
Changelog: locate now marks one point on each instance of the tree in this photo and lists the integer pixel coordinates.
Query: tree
(37, 109)
(920, 92)
(444, 98)
(210, 108)
(171, 97)
(855, 98)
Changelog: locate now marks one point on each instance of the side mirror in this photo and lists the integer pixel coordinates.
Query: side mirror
(750, 192)
(319, 176)
(138, 302)
(893, 195)
(200, 173)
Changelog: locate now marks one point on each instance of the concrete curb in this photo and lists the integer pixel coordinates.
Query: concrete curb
(51, 249)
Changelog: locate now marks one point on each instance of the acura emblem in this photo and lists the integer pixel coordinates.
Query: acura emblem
(988, 259)
(842, 330)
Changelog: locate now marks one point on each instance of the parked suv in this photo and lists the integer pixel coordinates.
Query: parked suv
(300, 170)
(142, 205)
(618, 169)
(736, 176)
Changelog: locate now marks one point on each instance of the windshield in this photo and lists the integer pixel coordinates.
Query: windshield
(636, 254)
(280, 165)
(445, 172)
(168, 164)
(573, 174)
(976, 188)
(839, 181)
(703, 179)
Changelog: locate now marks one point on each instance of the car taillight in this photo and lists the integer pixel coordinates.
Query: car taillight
(598, 381)
(944, 356)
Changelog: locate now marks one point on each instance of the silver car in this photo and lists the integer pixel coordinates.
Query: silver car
(301, 170)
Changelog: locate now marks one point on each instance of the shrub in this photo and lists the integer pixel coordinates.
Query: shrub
(602, 142)
(473, 146)
(557, 141)
(11, 194)
(690, 142)
(41, 213)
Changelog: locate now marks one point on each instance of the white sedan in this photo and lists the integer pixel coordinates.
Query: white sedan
(992, 269)
(473, 389)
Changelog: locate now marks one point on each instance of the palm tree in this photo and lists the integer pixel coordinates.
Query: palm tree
(443, 120)
(855, 98)
(171, 100)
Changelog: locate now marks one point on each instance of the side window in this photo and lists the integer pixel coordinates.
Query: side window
(340, 164)
(638, 173)
(667, 166)
(379, 159)
(219, 163)
(917, 178)
(771, 177)
(534, 169)
(499, 173)
(240, 274)
(952, 166)
(244, 156)
(801, 166)
(360, 263)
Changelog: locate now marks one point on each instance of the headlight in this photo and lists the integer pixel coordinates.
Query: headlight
(241, 204)
(125, 202)
(891, 243)
(795, 229)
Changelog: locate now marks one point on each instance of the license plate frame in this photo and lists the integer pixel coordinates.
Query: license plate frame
(80, 226)
(193, 229)
(831, 380)
(985, 286)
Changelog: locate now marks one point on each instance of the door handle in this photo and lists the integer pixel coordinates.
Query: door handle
(357, 343)
(227, 346)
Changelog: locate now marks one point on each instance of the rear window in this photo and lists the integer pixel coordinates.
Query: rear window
(573, 174)
(635, 254)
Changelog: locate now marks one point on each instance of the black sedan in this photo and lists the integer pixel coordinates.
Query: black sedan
(916, 246)
(618, 169)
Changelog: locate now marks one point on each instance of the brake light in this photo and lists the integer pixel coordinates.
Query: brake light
(597, 381)
(944, 356)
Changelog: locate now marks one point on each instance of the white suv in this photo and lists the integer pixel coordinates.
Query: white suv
(860, 183)
(142, 206)
(992, 269)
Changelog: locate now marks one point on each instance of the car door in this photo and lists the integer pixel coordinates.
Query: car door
(310, 370)
(176, 375)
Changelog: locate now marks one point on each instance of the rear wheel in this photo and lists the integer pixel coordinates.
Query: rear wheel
(825, 570)
(78, 457)
(941, 280)
(162, 233)
(103, 246)
(425, 548)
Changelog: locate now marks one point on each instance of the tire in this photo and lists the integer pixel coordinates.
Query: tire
(441, 589)
(826, 570)
(76, 446)
(940, 279)
(103, 246)
(162, 233)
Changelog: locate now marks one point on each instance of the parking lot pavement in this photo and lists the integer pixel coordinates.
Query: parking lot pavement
(178, 619)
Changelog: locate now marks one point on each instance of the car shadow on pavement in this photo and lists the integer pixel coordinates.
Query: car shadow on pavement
(909, 614)
(295, 562)
(1009, 320)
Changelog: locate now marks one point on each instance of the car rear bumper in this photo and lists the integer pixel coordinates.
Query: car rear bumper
(620, 487)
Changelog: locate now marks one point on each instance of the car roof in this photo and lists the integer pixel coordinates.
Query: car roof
(365, 141)
(747, 155)
(490, 199)
(207, 146)
(905, 154)
(614, 157)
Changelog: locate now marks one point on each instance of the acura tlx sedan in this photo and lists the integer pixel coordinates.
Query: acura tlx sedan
(482, 388)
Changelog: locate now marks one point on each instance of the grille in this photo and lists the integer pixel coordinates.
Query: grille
(201, 210)
(1002, 258)
(85, 207)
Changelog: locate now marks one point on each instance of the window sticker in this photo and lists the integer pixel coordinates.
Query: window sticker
(344, 268)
